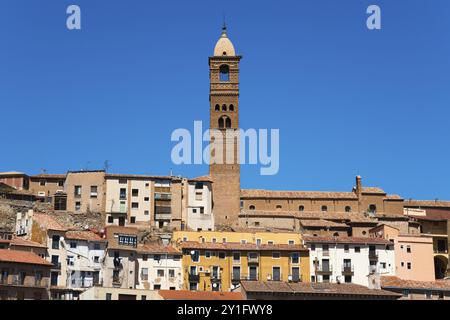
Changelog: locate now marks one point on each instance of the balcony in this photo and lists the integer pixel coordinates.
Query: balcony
(373, 256)
(348, 270)
(117, 263)
(56, 265)
(216, 279)
(325, 270)
(294, 278)
(253, 259)
(194, 277)
(29, 282)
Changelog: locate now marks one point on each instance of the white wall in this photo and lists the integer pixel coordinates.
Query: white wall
(166, 262)
(360, 261)
(197, 220)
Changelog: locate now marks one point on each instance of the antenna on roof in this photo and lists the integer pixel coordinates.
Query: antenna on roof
(106, 165)
(43, 170)
(171, 173)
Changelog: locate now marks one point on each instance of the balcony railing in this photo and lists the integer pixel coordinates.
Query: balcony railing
(348, 269)
(194, 277)
(373, 256)
(325, 269)
(56, 265)
(253, 259)
(442, 251)
(326, 253)
(27, 282)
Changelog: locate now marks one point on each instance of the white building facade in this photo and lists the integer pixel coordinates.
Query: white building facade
(350, 259)
(199, 204)
(159, 268)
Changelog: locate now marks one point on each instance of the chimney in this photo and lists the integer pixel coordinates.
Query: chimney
(358, 185)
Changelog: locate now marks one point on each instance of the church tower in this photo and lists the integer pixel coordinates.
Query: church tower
(224, 123)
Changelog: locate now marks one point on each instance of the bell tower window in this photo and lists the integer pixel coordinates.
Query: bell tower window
(228, 122)
(217, 107)
(224, 107)
(231, 108)
(224, 73)
(221, 123)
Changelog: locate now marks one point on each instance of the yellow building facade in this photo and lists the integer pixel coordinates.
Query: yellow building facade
(218, 261)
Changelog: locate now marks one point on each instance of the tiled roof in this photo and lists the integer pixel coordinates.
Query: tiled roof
(16, 256)
(395, 282)
(322, 223)
(199, 295)
(202, 179)
(26, 243)
(11, 173)
(357, 240)
(372, 190)
(137, 176)
(83, 235)
(47, 222)
(241, 246)
(313, 288)
(257, 193)
(427, 203)
(48, 176)
(113, 241)
(344, 216)
(156, 248)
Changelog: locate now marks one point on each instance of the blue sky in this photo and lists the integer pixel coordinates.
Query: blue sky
(346, 100)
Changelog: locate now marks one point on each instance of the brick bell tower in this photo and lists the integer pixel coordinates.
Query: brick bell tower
(224, 120)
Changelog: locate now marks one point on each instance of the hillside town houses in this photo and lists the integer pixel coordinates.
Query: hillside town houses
(93, 234)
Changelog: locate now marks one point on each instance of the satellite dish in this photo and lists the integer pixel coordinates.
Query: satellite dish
(214, 285)
(192, 252)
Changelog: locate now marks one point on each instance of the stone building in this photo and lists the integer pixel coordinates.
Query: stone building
(85, 191)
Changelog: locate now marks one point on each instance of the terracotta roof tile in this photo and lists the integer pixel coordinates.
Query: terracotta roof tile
(83, 235)
(322, 223)
(202, 179)
(49, 176)
(47, 222)
(26, 257)
(427, 203)
(257, 193)
(26, 243)
(313, 288)
(357, 240)
(395, 282)
(340, 216)
(157, 248)
(240, 246)
(199, 295)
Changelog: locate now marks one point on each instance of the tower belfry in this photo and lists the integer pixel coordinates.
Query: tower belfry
(224, 122)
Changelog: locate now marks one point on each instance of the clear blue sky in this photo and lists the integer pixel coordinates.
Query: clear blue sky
(346, 100)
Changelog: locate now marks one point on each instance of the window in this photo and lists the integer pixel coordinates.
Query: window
(146, 213)
(108, 296)
(252, 207)
(336, 234)
(217, 108)
(224, 240)
(324, 208)
(383, 265)
(222, 255)
(428, 295)
(270, 242)
(96, 246)
(346, 248)
(61, 183)
(156, 287)
(313, 247)
(278, 207)
(132, 219)
(127, 240)
(224, 71)
(275, 255)
(276, 274)
(123, 193)
(73, 245)
(301, 208)
(77, 206)
(227, 122)
(224, 107)
(195, 256)
(295, 258)
(171, 273)
(408, 265)
(42, 183)
(160, 272)
(373, 208)
(144, 274)
(143, 297)
(348, 209)
(96, 259)
(243, 241)
(157, 257)
(231, 108)
(202, 210)
(208, 254)
(135, 205)
(236, 256)
(122, 181)
(214, 240)
(402, 264)
(93, 192)
(408, 249)
(221, 123)
(405, 293)
(110, 219)
(135, 192)
(357, 249)
(291, 242)
(146, 199)
(55, 242)
(348, 279)
(77, 191)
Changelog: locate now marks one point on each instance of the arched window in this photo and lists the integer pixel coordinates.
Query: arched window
(217, 107)
(324, 208)
(221, 123)
(279, 207)
(224, 73)
(373, 208)
(335, 234)
(224, 107)
(301, 208)
(348, 209)
(231, 108)
(227, 123)
(252, 207)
